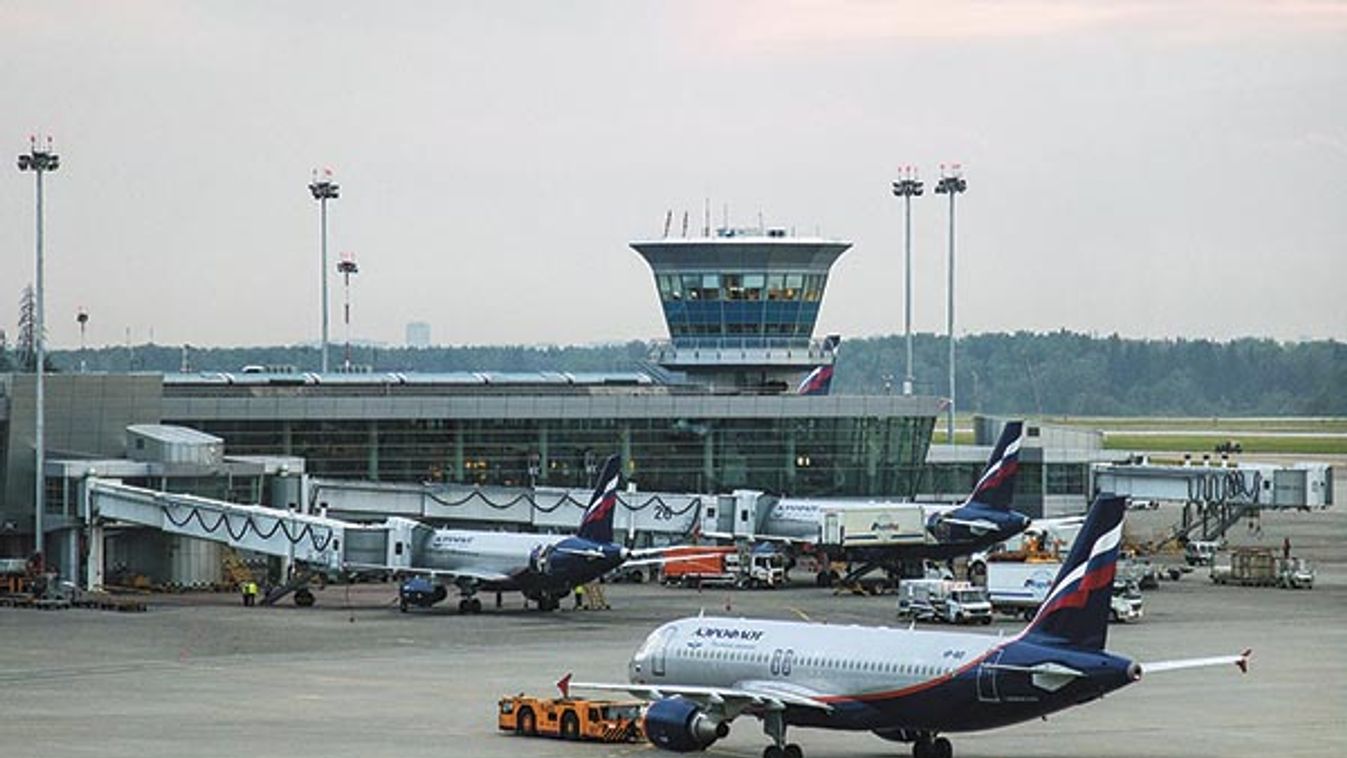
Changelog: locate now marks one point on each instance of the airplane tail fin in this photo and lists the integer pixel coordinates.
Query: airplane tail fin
(817, 382)
(597, 523)
(996, 486)
(1076, 610)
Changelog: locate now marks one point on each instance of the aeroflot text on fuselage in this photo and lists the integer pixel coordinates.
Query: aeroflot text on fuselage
(723, 633)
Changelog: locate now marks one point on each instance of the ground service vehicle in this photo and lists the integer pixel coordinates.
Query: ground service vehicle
(1261, 567)
(1125, 605)
(943, 600)
(1295, 574)
(1201, 552)
(696, 566)
(571, 718)
(1016, 587)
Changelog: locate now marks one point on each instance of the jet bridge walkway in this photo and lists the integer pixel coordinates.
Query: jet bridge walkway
(1216, 497)
(316, 542)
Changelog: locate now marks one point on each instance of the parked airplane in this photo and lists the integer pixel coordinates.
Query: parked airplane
(544, 567)
(983, 519)
(905, 685)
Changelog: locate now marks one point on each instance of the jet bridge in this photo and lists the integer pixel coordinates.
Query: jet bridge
(317, 541)
(1217, 496)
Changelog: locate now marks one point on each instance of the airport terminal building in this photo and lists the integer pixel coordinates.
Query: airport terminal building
(737, 397)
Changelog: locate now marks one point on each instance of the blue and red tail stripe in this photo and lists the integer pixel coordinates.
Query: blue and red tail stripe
(1076, 609)
(996, 486)
(597, 523)
(817, 382)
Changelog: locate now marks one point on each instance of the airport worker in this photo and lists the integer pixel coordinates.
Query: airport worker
(1286, 547)
(579, 595)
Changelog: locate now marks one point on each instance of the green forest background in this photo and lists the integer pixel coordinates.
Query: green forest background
(1058, 373)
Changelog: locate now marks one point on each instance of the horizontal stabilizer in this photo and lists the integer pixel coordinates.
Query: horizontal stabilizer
(1241, 660)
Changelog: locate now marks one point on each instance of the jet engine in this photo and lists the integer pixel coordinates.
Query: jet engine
(679, 725)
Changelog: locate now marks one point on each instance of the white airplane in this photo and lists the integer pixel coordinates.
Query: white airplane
(906, 685)
(544, 567)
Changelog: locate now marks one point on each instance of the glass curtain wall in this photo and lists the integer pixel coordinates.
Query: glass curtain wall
(845, 457)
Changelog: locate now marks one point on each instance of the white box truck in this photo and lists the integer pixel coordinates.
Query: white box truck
(874, 526)
(1019, 587)
(943, 600)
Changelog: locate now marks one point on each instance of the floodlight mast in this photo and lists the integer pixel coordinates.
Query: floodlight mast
(907, 187)
(347, 267)
(39, 161)
(323, 189)
(82, 318)
(951, 183)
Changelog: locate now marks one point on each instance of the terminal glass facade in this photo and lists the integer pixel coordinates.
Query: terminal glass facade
(824, 456)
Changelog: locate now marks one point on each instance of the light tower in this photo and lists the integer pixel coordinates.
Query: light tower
(323, 189)
(951, 183)
(346, 267)
(907, 187)
(82, 318)
(39, 161)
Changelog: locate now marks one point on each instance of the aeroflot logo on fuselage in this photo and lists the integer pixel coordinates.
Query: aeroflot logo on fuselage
(726, 633)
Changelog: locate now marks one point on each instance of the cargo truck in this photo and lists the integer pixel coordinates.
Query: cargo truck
(1018, 587)
(1261, 567)
(698, 566)
(874, 526)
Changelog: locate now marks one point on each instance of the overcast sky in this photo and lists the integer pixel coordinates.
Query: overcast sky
(1152, 168)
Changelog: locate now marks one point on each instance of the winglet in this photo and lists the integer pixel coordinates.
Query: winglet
(1243, 661)
(564, 684)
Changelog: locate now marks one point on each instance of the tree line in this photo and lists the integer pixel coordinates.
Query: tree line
(1056, 373)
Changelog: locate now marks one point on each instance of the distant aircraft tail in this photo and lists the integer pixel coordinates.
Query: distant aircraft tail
(1076, 610)
(818, 382)
(996, 486)
(597, 523)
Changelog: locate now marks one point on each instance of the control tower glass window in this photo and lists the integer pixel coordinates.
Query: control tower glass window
(753, 284)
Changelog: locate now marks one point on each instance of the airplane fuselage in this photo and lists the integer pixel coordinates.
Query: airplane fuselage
(531, 563)
(880, 679)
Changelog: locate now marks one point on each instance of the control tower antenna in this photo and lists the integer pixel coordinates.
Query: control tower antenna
(907, 187)
(951, 183)
(82, 318)
(668, 221)
(685, 224)
(706, 218)
(323, 189)
(346, 267)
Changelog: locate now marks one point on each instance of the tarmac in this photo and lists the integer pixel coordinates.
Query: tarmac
(200, 675)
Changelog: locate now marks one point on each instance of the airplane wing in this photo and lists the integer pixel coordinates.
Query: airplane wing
(456, 574)
(1241, 660)
(729, 702)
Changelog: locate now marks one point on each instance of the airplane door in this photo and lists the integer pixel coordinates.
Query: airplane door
(832, 531)
(657, 665)
(987, 679)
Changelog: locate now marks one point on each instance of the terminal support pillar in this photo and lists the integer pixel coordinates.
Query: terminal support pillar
(93, 562)
(708, 462)
(458, 454)
(543, 463)
(372, 465)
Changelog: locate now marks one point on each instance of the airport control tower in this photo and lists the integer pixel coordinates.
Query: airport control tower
(740, 306)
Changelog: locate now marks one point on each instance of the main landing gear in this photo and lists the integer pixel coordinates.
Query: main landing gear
(774, 725)
(930, 746)
(470, 604)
